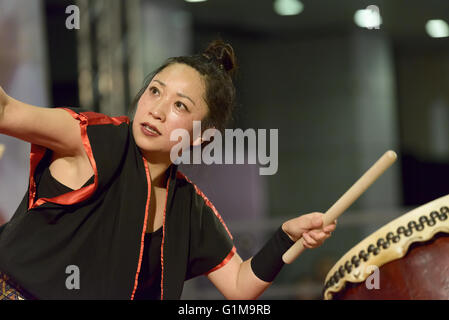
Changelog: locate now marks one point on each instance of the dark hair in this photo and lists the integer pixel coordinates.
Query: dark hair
(217, 65)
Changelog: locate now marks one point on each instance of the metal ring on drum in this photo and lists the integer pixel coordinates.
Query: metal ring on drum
(411, 255)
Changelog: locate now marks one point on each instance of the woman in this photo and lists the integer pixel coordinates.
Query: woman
(107, 214)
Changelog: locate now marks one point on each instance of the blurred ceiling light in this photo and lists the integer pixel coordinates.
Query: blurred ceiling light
(288, 7)
(437, 28)
(368, 18)
(195, 0)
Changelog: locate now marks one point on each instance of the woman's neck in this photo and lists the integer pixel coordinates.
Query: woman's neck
(157, 166)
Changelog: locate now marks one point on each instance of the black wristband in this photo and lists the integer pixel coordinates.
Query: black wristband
(267, 263)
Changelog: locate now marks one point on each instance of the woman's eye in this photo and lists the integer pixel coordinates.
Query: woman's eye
(154, 90)
(181, 105)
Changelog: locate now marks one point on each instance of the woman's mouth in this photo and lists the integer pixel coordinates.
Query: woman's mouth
(150, 130)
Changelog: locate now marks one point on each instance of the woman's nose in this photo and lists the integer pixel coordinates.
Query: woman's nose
(158, 111)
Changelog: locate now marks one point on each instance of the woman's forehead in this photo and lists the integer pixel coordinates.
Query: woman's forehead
(181, 76)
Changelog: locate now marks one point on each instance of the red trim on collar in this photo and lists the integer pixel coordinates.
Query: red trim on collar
(142, 238)
(142, 242)
(163, 236)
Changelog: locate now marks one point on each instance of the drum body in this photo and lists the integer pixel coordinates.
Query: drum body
(406, 259)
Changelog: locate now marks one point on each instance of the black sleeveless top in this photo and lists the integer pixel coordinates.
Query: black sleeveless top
(149, 285)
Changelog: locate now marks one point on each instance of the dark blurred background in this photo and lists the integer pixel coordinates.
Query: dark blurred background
(342, 81)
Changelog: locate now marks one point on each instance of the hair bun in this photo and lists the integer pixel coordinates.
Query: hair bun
(223, 54)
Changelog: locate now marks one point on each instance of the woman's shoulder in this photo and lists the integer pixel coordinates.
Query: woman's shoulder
(96, 118)
(195, 192)
(183, 181)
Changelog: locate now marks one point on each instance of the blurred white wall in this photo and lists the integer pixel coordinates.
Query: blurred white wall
(23, 76)
(166, 32)
(375, 110)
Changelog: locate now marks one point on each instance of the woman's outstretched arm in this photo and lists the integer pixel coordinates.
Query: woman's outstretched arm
(54, 129)
(237, 279)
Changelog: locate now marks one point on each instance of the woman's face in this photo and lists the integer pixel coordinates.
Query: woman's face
(173, 99)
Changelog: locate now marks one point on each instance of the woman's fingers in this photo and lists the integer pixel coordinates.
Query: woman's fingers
(310, 228)
(329, 228)
(297, 226)
(314, 238)
(309, 240)
(320, 236)
(316, 235)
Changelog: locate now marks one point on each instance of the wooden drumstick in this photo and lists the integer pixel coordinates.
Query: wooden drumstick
(2, 149)
(346, 199)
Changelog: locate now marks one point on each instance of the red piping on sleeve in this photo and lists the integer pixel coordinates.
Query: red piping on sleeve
(210, 205)
(99, 118)
(37, 153)
(224, 262)
(207, 201)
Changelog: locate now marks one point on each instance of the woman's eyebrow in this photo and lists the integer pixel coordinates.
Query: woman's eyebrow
(161, 83)
(178, 93)
(184, 96)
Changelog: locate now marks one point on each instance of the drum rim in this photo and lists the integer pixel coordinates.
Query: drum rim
(356, 273)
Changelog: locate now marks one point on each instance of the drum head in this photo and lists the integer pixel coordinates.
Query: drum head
(407, 254)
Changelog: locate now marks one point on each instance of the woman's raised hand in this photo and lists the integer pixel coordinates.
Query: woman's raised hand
(310, 228)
